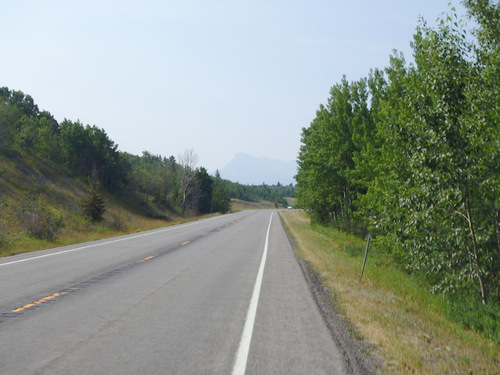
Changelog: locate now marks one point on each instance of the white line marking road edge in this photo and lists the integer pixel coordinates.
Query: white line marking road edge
(240, 364)
(129, 237)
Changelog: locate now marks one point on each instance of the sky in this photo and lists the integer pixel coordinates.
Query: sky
(218, 77)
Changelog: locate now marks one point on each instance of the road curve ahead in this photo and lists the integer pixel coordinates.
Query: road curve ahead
(224, 295)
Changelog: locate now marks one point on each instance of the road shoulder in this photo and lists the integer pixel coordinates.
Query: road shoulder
(357, 354)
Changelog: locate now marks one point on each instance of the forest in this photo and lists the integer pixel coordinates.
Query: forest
(85, 153)
(411, 155)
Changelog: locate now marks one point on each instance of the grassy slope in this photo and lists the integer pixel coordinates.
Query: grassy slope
(59, 195)
(405, 323)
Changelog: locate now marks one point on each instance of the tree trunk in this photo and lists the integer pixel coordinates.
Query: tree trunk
(475, 252)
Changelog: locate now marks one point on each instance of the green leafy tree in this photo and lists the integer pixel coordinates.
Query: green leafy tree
(433, 198)
(88, 151)
(18, 121)
(420, 164)
(316, 175)
(447, 218)
(328, 184)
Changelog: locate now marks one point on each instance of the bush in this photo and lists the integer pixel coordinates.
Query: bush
(115, 222)
(45, 226)
(38, 221)
(473, 315)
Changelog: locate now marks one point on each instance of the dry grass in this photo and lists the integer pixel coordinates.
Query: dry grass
(76, 231)
(389, 309)
(79, 230)
(59, 196)
(239, 205)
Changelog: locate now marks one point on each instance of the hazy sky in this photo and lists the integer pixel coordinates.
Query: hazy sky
(215, 76)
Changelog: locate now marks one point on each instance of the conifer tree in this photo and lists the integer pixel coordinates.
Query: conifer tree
(92, 204)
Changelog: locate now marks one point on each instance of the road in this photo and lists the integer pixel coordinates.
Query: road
(223, 295)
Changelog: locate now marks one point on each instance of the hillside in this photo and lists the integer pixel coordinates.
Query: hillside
(40, 208)
(66, 182)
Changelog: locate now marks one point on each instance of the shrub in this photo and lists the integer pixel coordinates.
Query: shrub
(38, 221)
(115, 222)
(473, 315)
(45, 226)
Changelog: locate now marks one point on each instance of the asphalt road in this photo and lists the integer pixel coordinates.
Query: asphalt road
(223, 295)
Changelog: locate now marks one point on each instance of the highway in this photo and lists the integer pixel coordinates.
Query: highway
(223, 295)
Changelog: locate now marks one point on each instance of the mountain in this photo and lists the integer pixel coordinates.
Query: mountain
(250, 170)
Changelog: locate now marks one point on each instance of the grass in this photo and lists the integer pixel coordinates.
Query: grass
(30, 191)
(406, 324)
(239, 205)
(76, 230)
(80, 231)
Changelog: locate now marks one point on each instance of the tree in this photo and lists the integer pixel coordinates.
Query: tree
(328, 184)
(446, 226)
(316, 176)
(221, 202)
(187, 161)
(422, 162)
(170, 180)
(204, 185)
(88, 151)
(486, 116)
(92, 204)
(434, 198)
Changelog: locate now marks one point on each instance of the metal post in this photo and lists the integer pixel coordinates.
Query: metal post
(366, 254)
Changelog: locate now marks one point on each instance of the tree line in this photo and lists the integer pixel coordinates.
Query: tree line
(84, 151)
(177, 184)
(411, 154)
(79, 150)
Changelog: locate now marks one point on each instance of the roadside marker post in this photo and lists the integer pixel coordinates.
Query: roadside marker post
(366, 255)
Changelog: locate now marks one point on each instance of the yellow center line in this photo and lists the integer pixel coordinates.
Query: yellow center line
(55, 295)
(145, 259)
(40, 301)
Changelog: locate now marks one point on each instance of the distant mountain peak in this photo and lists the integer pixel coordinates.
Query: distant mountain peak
(251, 170)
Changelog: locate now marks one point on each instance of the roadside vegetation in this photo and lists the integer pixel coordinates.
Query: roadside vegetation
(411, 155)
(41, 207)
(62, 183)
(409, 329)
